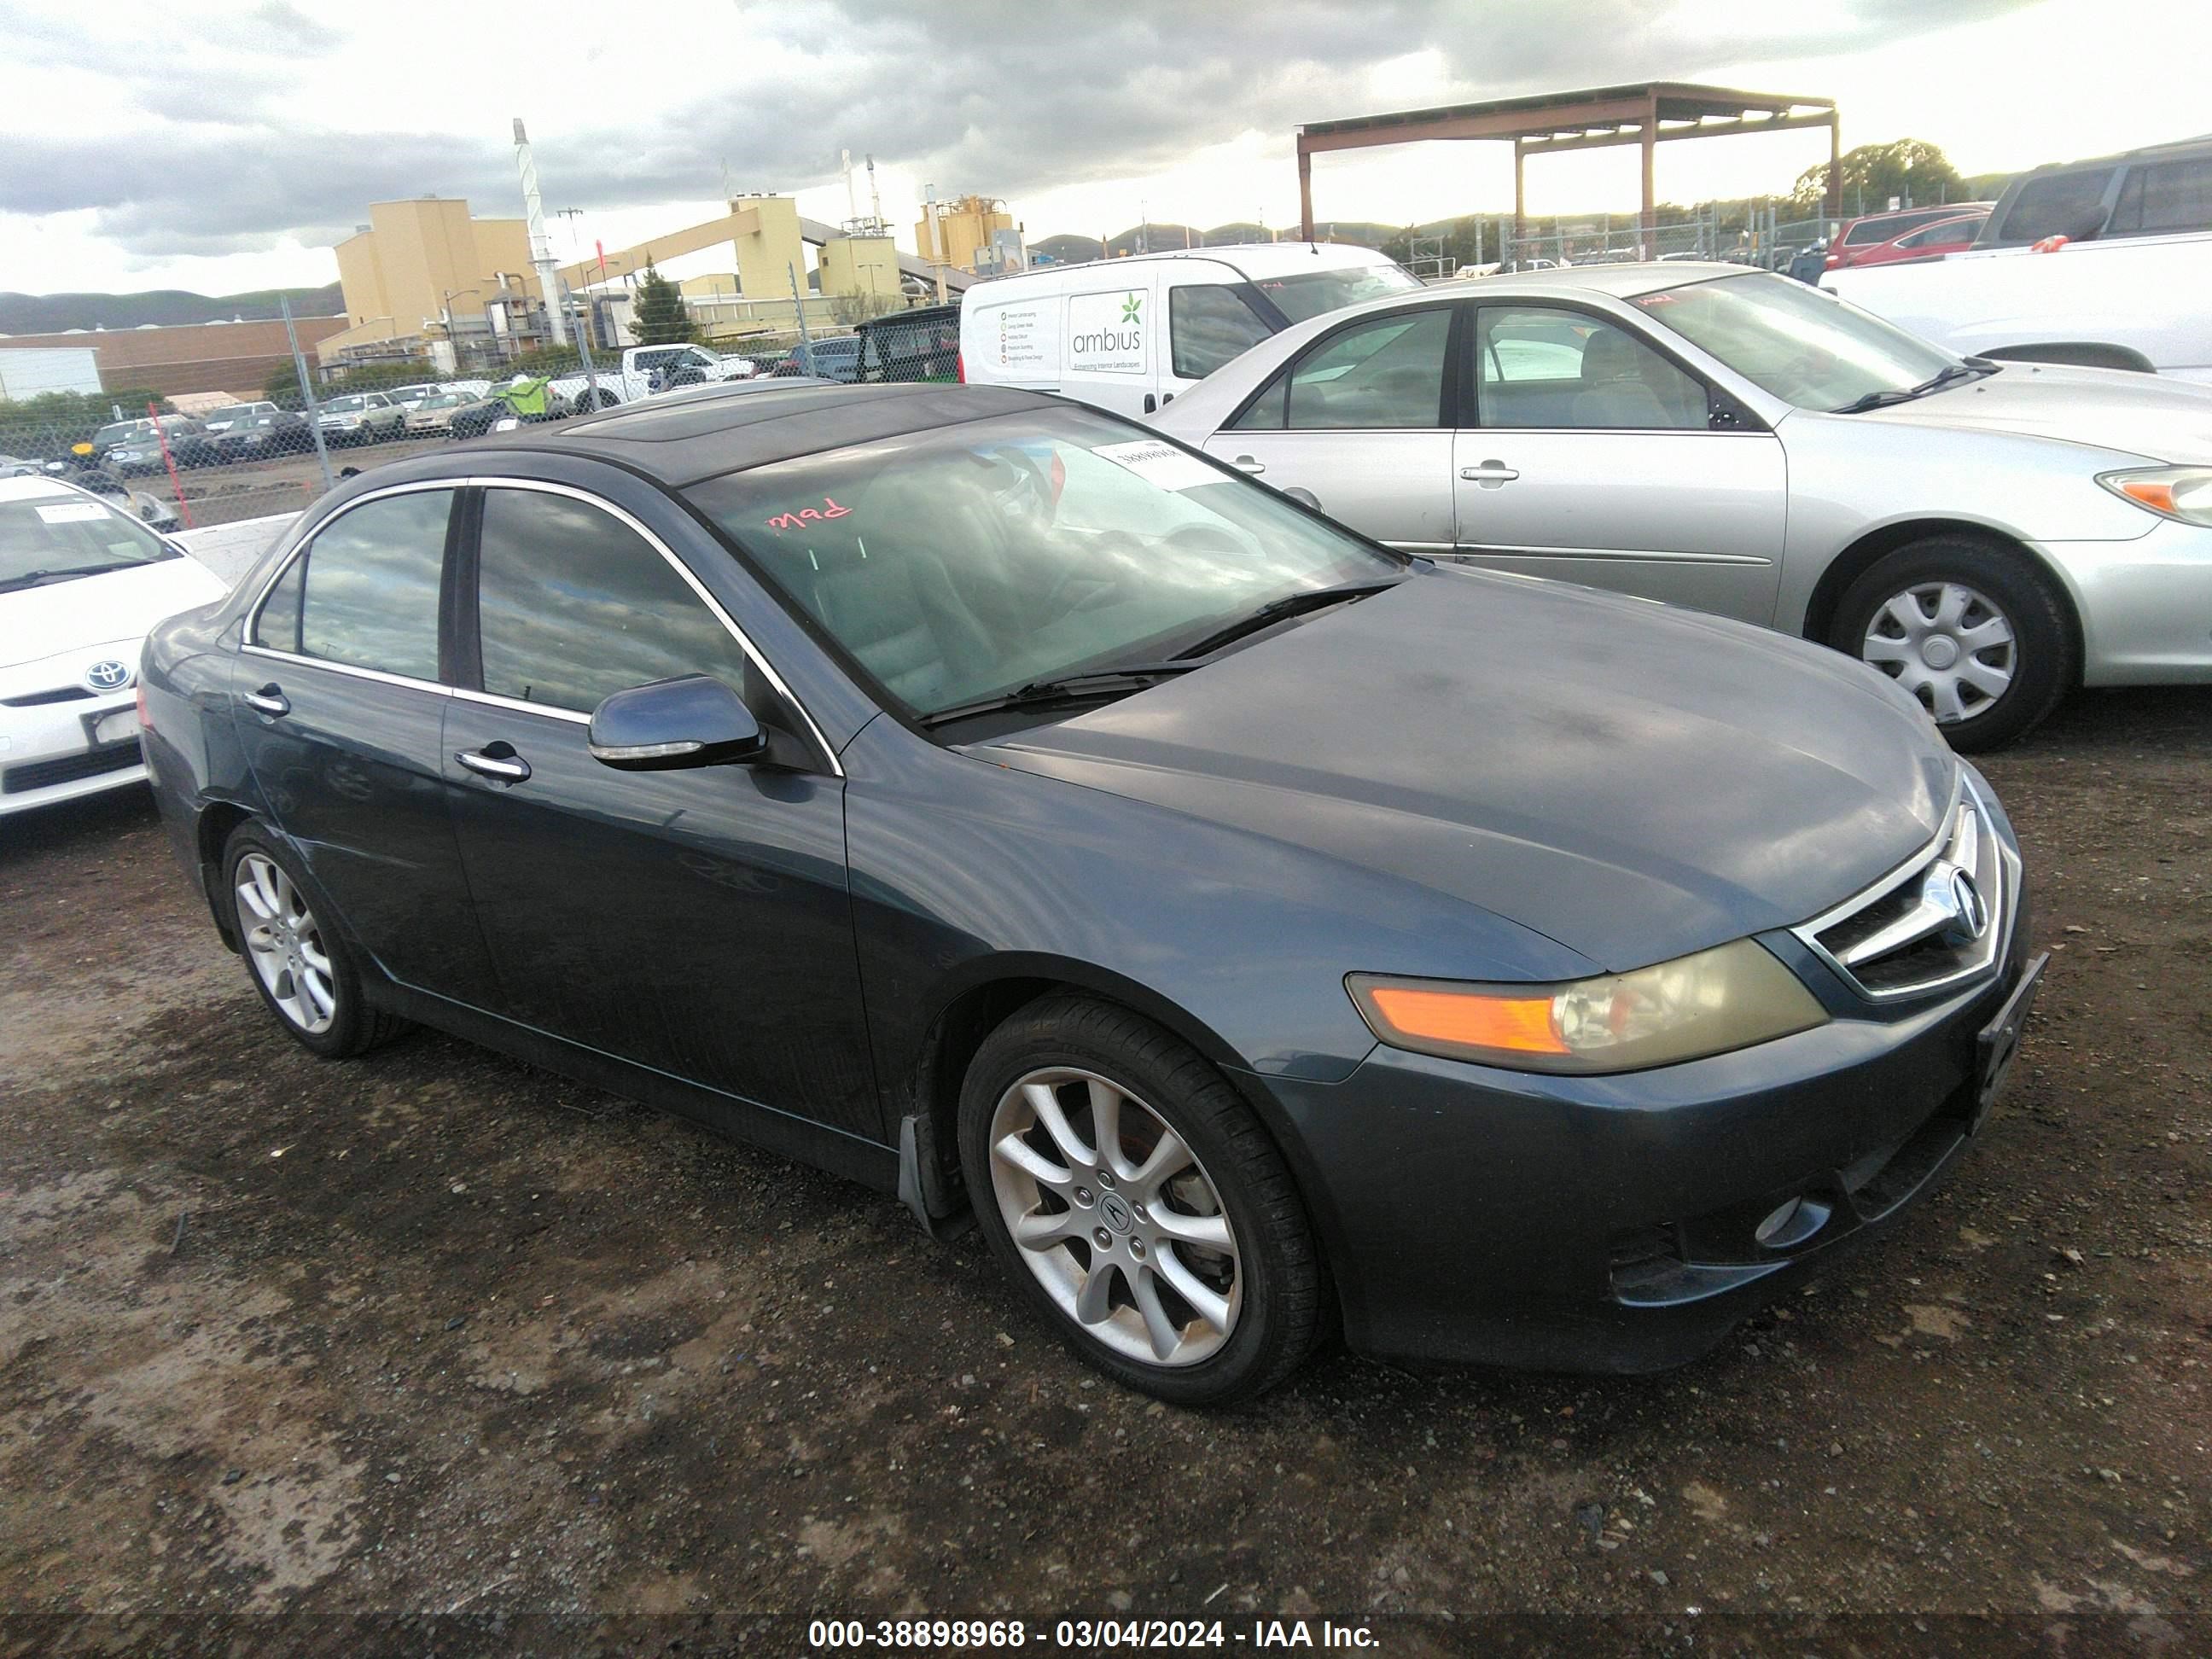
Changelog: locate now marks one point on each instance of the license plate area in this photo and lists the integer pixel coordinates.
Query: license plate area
(1999, 1042)
(116, 726)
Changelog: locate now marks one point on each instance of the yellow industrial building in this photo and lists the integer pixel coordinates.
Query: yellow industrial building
(418, 262)
(961, 233)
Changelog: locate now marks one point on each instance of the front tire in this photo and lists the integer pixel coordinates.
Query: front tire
(1136, 1198)
(1976, 633)
(301, 968)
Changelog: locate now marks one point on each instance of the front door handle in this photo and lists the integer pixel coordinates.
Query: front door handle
(1490, 475)
(270, 700)
(1248, 464)
(507, 767)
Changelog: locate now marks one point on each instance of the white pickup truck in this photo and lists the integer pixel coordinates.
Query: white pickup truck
(2130, 302)
(643, 370)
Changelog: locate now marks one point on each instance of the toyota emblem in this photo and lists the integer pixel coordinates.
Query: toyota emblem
(108, 676)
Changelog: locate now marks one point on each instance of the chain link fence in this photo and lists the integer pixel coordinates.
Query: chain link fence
(188, 460)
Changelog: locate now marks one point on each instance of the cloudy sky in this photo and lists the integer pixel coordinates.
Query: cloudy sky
(224, 144)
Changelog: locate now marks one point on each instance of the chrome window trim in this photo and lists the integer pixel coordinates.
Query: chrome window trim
(490, 700)
(1994, 942)
(753, 654)
(436, 687)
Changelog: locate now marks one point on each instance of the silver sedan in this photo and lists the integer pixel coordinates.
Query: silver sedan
(1988, 534)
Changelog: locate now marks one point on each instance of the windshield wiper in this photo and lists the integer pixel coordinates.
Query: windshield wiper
(1290, 604)
(1062, 689)
(40, 578)
(1935, 382)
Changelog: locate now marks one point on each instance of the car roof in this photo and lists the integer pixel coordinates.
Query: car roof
(680, 441)
(1623, 282)
(1253, 260)
(31, 489)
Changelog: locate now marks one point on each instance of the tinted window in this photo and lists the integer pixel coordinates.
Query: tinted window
(1955, 234)
(1209, 323)
(365, 591)
(573, 605)
(1537, 367)
(1389, 372)
(2064, 204)
(2173, 196)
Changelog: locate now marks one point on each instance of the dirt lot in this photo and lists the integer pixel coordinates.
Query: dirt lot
(433, 1330)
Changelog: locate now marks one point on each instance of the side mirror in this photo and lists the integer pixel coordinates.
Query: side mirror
(672, 724)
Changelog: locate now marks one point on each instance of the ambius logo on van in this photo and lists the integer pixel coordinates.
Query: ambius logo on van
(1106, 331)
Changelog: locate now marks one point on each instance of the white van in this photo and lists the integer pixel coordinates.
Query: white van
(1128, 334)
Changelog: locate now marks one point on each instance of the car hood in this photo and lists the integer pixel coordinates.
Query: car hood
(122, 605)
(2149, 414)
(1631, 781)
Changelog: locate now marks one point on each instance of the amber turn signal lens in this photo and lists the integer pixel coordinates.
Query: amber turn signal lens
(1513, 1025)
(2157, 496)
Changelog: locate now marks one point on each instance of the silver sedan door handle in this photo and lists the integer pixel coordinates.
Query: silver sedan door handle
(1248, 464)
(269, 701)
(509, 767)
(1489, 473)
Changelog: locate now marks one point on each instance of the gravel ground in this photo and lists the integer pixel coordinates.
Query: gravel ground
(433, 1330)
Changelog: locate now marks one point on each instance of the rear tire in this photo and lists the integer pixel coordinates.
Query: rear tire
(1187, 1270)
(302, 969)
(1972, 628)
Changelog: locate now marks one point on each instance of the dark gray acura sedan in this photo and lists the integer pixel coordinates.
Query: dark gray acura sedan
(1259, 933)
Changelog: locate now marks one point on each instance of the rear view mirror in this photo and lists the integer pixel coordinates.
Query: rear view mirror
(669, 724)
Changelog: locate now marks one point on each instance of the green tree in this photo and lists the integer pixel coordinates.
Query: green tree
(1910, 169)
(658, 315)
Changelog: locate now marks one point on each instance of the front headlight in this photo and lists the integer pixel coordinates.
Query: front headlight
(1728, 997)
(2171, 492)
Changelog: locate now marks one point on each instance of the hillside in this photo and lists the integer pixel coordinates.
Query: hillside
(51, 313)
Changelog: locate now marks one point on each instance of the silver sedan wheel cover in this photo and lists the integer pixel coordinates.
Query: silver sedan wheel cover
(1948, 645)
(284, 943)
(1116, 1216)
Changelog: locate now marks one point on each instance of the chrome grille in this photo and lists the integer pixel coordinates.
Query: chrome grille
(1940, 919)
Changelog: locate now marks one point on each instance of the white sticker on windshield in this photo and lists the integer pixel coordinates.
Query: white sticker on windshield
(72, 512)
(1159, 463)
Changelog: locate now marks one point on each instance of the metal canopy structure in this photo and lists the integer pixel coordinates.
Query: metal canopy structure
(1551, 123)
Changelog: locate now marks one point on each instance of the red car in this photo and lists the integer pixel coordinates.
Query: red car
(1928, 241)
(1862, 236)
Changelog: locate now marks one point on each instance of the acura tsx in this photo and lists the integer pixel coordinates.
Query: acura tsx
(1259, 933)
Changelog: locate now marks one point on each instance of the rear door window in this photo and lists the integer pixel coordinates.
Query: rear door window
(1387, 373)
(365, 593)
(2063, 204)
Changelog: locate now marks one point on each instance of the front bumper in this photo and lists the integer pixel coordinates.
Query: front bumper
(54, 752)
(1611, 1224)
(2145, 605)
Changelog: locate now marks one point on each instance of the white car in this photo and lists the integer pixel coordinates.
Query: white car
(80, 585)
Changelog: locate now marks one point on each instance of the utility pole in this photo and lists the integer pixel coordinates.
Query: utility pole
(798, 305)
(307, 391)
(541, 245)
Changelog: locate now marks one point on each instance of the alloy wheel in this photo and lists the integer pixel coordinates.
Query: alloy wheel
(1116, 1216)
(1948, 644)
(284, 942)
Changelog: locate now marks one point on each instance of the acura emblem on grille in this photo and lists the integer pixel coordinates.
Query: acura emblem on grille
(1971, 917)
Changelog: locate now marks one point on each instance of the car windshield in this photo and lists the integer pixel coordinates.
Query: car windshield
(352, 405)
(958, 565)
(50, 539)
(122, 432)
(1311, 293)
(232, 412)
(1805, 347)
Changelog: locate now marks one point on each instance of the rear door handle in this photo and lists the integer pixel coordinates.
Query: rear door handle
(509, 767)
(1248, 464)
(270, 700)
(1489, 473)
